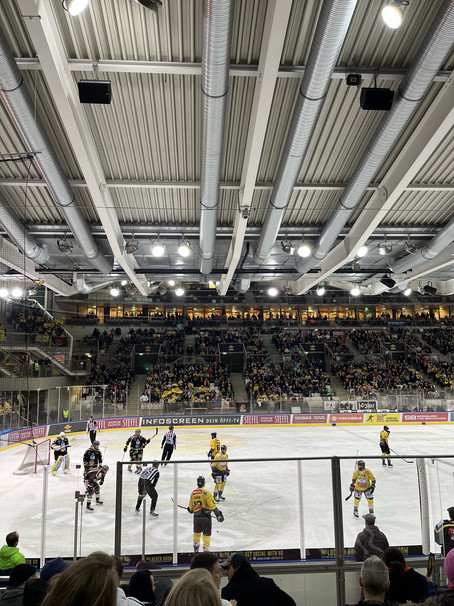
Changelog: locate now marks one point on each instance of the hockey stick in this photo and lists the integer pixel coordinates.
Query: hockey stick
(180, 506)
(403, 458)
(356, 462)
(154, 435)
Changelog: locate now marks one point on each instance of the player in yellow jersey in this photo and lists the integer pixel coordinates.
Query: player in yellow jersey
(384, 434)
(219, 473)
(201, 504)
(215, 446)
(363, 482)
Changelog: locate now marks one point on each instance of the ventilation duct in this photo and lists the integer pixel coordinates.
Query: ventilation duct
(432, 53)
(216, 43)
(329, 37)
(20, 236)
(81, 286)
(242, 286)
(18, 101)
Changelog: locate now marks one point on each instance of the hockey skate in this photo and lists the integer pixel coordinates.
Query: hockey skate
(137, 471)
(98, 502)
(356, 512)
(390, 464)
(154, 515)
(137, 510)
(130, 469)
(89, 507)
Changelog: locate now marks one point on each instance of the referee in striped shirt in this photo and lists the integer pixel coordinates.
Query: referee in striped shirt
(147, 485)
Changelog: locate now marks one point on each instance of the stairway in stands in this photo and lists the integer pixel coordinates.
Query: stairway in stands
(239, 389)
(270, 347)
(134, 394)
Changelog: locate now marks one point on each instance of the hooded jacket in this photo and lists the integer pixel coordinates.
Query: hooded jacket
(250, 589)
(10, 557)
(370, 541)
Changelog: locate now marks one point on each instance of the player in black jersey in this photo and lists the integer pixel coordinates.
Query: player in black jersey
(93, 480)
(138, 443)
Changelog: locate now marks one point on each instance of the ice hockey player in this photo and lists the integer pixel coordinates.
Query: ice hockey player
(92, 428)
(384, 435)
(201, 504)
(169, 444)
(93, 480)
(138, 443)
(147, 485)
(219, 473)
(215, 445)
(60, 447)
(363, 482)
(92, 457)
(444, 532)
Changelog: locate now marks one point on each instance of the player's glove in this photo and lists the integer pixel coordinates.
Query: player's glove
(227, 472)
(220, 517)
(101, 482)
(189, 509)
(352, 487)
(372, 488)
(147, 442)
(125, 449)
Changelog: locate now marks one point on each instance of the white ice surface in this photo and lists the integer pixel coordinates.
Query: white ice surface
(261, 508)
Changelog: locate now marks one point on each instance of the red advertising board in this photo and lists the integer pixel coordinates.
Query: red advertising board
(267, 419)
(118, 423)
(347, 418)
(23, 435)
(427, 417)
(307, 418)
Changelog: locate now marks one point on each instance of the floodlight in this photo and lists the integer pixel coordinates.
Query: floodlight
(171, 282)
(179, 291)
(131, 247)
(392, 13)
(17, 292)
(272, 291)
(384, 248)
(355, 290)
(429, 289)
(4, 293)
(362, 252)
(64, 246)
(74, 7)
(304, 250)
(157, 248)
(287, 247)
(388, 281)
(407, 291)
(124, 282)
(320, 289)
(410, 248)
(184, 248)
(114, 291)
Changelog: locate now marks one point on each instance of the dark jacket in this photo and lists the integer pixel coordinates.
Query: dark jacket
(249, 589)
(13, 596)
(372, 603)
(411, 586)
(371, 541)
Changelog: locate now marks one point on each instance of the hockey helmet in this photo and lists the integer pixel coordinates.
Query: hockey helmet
(62, 434)
(224, 448)
(200, 482)
(386, 428)
(171, 427)
(105, 468)
(451, 513)
(95, 443)
(138, 431)
(155, 464)
(214, 434)
(361, 465)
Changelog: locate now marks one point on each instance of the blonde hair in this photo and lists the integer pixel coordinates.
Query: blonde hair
(92, 580)
(195, 588)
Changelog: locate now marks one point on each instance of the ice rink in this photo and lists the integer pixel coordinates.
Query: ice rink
(262, 506)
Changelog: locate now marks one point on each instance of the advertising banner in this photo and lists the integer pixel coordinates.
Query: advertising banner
(30, 433)
(382, 417)
(426, 417)
(120, 423)
(308, 418)
(267, 555)
(161, 421)
(346, 418)
(267, 419)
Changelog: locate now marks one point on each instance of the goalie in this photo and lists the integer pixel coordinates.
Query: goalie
(93, 480)
(60, 447)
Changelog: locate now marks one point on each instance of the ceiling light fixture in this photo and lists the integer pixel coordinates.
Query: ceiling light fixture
(410, 248)
(355, 290)
(287, 247)
(179, 291)
(392, 13)
(362, 252)
(64, 246)
(131, 247)
(152, 5)
(384, 248)
(74, 7)
(320, 289)
(304, 250)
(157, 248)
(388, 281)
(272, 291)
(17, 292)
(184, 248)
(4, 293)
(407, 291)
(171, 282)
(114, 291)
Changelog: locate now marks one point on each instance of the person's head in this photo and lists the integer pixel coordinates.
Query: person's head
(96, 445)
(449, 566)
(20, 574)
(213, 435)
(62, 434)
(395, 561)
(104, 468)
(200, 482)
(194, 588)
(147, 565)
(451, 513)
(374, 578)
(386, 428)
(92, 576)
(12, 539)
(90, 418)
(223, 449)
(155, 464)
(233, 562)
(141, 586)
(361, 465)
(170, 427)
(210, 562)
(35, 591)
(53, 569)
(137, 432)
(118, 566)
(369, 519)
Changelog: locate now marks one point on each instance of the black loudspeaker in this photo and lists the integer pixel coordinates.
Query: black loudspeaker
(388, 282)
(429, 290)
(94, 91)
(376, 98)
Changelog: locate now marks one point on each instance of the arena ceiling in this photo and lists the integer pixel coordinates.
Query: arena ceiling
(231, 125)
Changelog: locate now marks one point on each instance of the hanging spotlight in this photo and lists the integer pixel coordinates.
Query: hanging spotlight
(64, 246)
(392, 13)
(356, 266)
(362, 252)
(171, 282)
(131, 247)
(287, 247)
(17, 292)
(152, 5)
(410, 248)
(272, 291)
(124, 282)
(157, 248)
(304, 250)
(407, 291)
(129, 288)
(74, 7)
(114, 291)
(179, 291)
(388, 281)
(384, 248)
(355, 290)
(320, 289)
(184, 248)
(4, 293)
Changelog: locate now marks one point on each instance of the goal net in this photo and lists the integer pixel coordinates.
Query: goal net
(35, 455)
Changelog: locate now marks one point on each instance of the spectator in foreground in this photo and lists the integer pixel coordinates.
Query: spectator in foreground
(248, 588)
(162, 585)
(210, 561)
(194, 588)
(35, 591)
(141, 587)
(374, 579)
(370, 541)
(404, 582)
(91, 580)
(53, 569)
(10, 555)
(15, 591)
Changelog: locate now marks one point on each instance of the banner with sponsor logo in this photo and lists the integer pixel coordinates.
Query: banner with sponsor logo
(382, 417)
(426, 417)
(161, 421)
(267, 419)
(24, 435)
(120, 423)
(267, 555)
(346, 418)
(309, 418)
